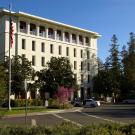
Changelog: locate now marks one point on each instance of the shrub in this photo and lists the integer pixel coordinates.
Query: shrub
(54, 103)
(66, 128)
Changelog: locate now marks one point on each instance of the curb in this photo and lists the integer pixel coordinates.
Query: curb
(42, 113)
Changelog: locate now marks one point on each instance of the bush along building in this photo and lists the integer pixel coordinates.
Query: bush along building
(38, 39)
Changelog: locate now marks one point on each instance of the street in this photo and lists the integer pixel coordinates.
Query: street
(123, 114)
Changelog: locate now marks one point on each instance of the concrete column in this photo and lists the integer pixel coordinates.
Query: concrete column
(46, 32)
(37, 29)
(70, 37)
(77, 38)
(55, 34)
(84, 41)
(63, 36)
(28, 28)
(90, 41)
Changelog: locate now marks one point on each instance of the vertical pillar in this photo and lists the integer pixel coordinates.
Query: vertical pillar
(55, 34)
(63, 36)
(37, 30)
(46, 32)
(84, 41)
(70, 37)
(77, 36)
(28, 28)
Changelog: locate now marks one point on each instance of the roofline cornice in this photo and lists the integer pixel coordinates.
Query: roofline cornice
(94, 34)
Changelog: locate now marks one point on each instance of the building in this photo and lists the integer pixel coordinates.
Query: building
(38, 39)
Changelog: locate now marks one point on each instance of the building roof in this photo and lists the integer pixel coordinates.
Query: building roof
(95, 34)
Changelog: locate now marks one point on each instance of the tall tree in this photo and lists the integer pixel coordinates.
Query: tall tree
(21, 70)
(130, 65)
(115, 67)
(57, 73)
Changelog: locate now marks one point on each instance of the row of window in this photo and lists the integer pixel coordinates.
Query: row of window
(54, 34)
(43, 63)
(82, 78)
(52, 49)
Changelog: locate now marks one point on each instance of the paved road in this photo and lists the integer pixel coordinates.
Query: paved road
(83, 116)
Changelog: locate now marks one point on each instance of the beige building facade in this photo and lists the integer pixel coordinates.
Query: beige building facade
(38, 39)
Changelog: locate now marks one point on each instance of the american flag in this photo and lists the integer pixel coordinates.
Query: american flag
(11, 33)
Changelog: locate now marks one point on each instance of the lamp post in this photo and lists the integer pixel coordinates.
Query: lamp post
(25, 87)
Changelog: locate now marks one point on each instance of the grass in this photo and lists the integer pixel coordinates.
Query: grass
(21, 110)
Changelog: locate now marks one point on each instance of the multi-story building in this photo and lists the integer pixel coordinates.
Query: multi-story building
(38, 39)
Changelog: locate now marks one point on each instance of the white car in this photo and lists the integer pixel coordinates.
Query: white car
(91, 103)
(129, 101)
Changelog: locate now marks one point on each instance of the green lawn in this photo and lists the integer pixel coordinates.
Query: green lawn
(18, 110)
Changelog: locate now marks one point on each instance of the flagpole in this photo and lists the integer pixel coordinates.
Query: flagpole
(9, 91)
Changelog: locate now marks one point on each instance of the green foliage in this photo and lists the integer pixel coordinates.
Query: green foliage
(54, 103)
(21, 102)
(21, 69)
(57, 73)
(3, 89)
(68, 128)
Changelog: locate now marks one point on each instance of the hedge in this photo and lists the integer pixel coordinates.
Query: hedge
(71, 129)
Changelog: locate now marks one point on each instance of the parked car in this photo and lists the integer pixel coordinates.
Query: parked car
(91, 103)
(77, 103)
(129, 101)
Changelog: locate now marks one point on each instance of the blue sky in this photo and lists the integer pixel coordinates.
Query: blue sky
(106, 17)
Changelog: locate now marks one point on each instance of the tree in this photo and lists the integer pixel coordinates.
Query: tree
(115, 70)
(129, 61)
(21, 70)
(57, 73)
(3, 89)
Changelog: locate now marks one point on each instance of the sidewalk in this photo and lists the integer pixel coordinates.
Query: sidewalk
(43, 113)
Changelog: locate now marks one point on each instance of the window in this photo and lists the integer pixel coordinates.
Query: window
(59, 36)
(60, 50)
(51, 48)
(81, 78)
(88, 66)
(50, 33)
(74, 52)
(66, 36)
(33, 30)
(33, 46)
(73, 38)
(87, 41)
(81, 53)
(88, 54)
(43, 61)
(67, 51)
(81, 65)
(42, 47)
(33, 61)
(42, 31)
(23, 44)
(80, 39)
(88, 78)
(75, 65)
(23, 27)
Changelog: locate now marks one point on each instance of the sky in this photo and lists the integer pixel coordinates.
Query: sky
(107, 17)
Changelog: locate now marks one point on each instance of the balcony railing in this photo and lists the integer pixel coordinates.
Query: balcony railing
(67, 40)
(42, 34)
(23, 30)
(80, 42)
(51, 36)
(58, 37)
(33, 32)
(74, 41)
